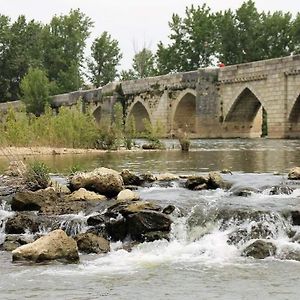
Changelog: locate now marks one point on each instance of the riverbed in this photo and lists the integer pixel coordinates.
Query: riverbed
(197, 262)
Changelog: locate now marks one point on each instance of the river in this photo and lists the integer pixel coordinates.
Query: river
(198, 262)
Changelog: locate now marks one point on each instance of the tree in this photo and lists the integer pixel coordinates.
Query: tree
(21, 48)
(35, 90)
(106, 57)
(192, 41)
(143, 63)
(64, 43)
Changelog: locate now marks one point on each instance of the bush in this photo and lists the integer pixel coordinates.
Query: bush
(37, 176)
(35, 90)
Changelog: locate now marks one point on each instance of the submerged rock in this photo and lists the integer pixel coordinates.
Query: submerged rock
(195, 181)
(281, 190)
(54, 246)
(102, 180)
(294, 174)
(260, 249)
(91, 243)
(130, 178)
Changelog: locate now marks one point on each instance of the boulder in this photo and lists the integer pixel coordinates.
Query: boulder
(215, 181)
(169, 209)
(260, 249)
(54, 246)
(22, 222)
(194, 181)
(27, 200)
(147, 221)
(243, 191)
(294, 173)
(85, 195)
(290, 252)
(155, 235)
(130, 178)
(127, 195)
(167, 177)
(148, 177)
(102, 180)
(13, 241)
(91, 243)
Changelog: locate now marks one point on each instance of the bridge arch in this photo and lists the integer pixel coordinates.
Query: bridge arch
(184, 115)
(247, 114)
(294, 116)
(140, 112)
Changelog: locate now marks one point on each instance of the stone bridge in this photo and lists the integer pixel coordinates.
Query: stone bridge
(228, 102)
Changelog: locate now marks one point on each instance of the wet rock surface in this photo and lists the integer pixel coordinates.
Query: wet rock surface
(260, 249)
(92, 243)
(54, 246)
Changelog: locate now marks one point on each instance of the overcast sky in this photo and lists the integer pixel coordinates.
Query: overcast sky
(134, 23)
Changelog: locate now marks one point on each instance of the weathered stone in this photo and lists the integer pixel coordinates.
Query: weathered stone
(22, 222)
(294, 173)
(215, 181)
(91, 243)
(146, 221)
(167, 177)
(83, 194)
(54, 246)
(16, 168)
(117, 229)
(13, 241)
(138, 206)
(27, 200)
(130, 178)
(127, 195)
(102, 180)
(260, 249)
(195, 181)
(148, 177)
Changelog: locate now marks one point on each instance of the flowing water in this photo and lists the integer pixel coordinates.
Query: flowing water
(199, 261)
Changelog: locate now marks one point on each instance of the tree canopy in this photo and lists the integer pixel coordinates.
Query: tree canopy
(199, 38)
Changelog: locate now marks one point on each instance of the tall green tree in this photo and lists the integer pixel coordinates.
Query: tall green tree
(21, 49)
(143, 65)
(192, 41)
(64, 43)
(106, 57)
(35, 90)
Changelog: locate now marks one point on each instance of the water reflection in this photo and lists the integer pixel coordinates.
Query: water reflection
(261, 155)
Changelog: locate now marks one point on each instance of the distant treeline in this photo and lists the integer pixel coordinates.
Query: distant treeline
(197, 39)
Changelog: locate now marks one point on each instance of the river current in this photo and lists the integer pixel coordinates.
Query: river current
(198, 262)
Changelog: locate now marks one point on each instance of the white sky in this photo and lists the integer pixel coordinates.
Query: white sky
(134, 23)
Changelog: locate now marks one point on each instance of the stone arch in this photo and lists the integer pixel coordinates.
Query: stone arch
(247, 115)
(294, 116)
(184, 115)
(246, 100)
(98, 114)
(140, 112)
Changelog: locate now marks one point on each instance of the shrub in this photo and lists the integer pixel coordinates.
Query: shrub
(37, 176)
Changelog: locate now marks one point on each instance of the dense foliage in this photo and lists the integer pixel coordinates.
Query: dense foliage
(199, 38)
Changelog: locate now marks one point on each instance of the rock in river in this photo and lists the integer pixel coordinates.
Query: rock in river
(127, 195)
(294, 173)
(102, 180)
(91, 243)
(54, 246)
(260, 249)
